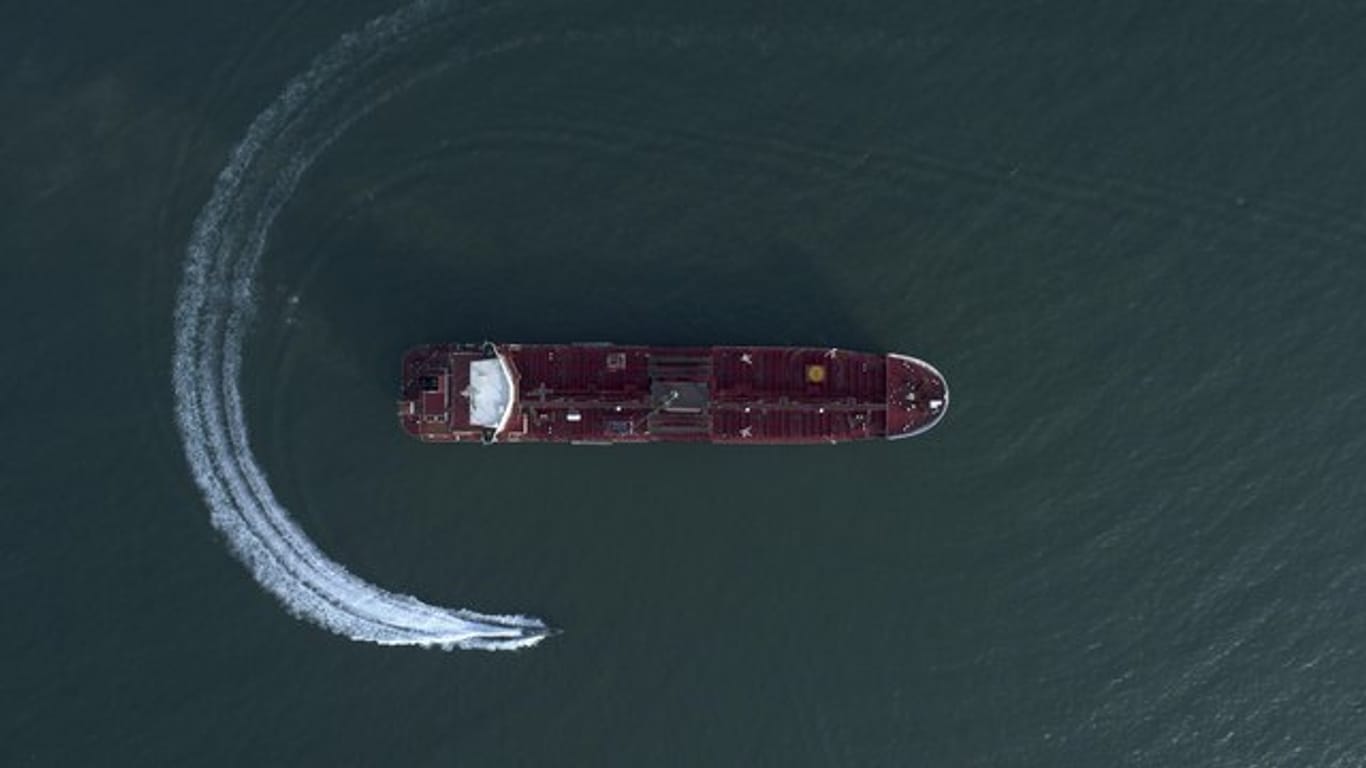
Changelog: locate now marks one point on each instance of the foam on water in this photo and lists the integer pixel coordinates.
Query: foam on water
(213, 311)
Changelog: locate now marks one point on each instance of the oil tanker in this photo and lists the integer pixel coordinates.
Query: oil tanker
(602, 394)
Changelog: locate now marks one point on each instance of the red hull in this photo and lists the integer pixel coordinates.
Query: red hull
(598, 393)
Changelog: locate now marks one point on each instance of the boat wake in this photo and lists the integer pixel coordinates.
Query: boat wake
(214, 309)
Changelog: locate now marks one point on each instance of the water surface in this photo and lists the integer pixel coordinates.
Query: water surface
(1129, 237)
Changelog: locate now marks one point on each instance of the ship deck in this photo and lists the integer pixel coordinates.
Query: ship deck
(616, 394)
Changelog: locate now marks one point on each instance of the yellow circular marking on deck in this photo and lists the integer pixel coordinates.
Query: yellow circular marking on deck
(815, 374)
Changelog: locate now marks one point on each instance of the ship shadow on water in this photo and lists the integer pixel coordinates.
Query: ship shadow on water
(776, 295)
(712, 282)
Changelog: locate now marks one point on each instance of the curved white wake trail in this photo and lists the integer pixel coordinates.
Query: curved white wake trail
(213, 310)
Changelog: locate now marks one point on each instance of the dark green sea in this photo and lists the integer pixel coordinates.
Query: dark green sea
(1131, 235)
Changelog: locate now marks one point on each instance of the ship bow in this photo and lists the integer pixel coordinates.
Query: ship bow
(917, 396)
